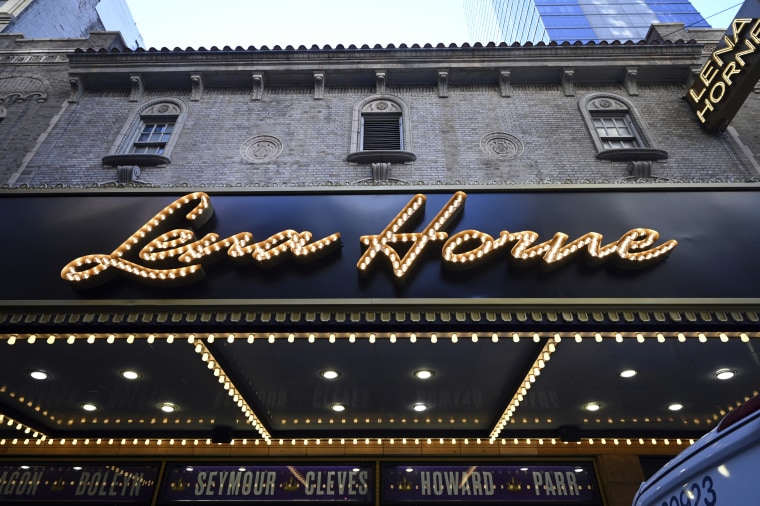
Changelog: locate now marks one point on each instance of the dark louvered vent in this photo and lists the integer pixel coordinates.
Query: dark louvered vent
(381, 132)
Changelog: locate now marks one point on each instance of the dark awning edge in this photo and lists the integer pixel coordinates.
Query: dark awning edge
(486, 318)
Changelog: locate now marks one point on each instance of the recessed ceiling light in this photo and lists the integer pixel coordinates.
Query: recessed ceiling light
(337, 406)
(329, 374)
(39, 375)
(593, 406)
(628, 373)
(88, 406)
(167, 407)
(724, 374)
(420, 407)
(424, 374)
(130, 375)
(675, 407)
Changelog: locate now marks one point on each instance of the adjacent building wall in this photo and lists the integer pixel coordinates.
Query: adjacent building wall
(52, 19)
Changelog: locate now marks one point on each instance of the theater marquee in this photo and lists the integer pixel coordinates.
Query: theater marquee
(354, 246)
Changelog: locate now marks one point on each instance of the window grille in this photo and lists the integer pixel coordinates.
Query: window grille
(381, 132)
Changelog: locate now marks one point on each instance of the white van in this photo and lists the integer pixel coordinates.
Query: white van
(721, 469)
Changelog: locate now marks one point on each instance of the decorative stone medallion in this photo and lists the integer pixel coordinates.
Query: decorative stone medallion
(501, 145)
(261, 149)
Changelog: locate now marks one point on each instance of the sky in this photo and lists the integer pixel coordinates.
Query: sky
(174, 23)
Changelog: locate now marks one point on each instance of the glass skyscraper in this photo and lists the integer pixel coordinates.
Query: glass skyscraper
(573, 20)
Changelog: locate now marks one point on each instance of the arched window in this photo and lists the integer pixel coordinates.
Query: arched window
(381, 131)
(149, 138)
(618, 130)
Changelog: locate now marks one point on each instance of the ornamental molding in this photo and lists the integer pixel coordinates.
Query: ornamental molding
(382, 106)
(20, 88)
(34, 58)
(501, 146)
(653, 182)
(261, 149)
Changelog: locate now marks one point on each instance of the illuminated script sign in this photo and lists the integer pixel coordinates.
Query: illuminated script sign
(728, 76)
(161, 253)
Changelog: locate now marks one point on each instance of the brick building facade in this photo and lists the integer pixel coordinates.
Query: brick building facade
(91, 130)
(456, 99)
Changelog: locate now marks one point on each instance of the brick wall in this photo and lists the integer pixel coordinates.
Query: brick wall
(446, 136)
(34, 87)
(27, 115)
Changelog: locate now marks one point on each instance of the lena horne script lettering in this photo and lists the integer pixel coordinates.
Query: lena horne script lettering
(159, 253)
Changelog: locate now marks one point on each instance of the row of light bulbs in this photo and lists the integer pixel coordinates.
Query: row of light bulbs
(372, 337)
(232, 391)
(352, 441)
(535, 370)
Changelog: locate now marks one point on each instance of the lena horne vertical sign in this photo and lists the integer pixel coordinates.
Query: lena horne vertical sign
(730, 73)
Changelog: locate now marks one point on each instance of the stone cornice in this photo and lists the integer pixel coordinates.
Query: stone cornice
(528, 64)
(465, 55)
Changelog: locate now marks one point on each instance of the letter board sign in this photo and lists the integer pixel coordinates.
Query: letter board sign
(269, 483)
(571, 483)
(77, 483)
